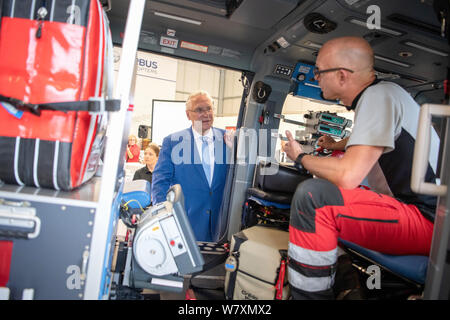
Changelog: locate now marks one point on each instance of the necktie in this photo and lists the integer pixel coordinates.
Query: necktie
(206, 159)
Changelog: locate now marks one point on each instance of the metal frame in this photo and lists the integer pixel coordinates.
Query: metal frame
(104, 219)
(437, 285)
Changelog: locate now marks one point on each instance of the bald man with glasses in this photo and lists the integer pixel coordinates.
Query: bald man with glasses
(389, 218)
(196, 158)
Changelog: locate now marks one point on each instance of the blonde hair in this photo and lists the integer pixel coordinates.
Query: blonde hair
(194, 95)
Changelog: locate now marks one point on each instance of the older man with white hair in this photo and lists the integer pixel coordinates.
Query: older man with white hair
(195, 158)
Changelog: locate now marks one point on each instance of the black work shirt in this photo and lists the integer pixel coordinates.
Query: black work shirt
(143, 174)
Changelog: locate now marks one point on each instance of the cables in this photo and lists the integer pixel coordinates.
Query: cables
(130, 216)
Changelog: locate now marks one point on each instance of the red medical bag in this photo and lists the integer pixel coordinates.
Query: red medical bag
(52, 91)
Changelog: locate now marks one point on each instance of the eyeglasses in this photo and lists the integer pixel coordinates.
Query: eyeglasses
(318, 72)
(201, 110)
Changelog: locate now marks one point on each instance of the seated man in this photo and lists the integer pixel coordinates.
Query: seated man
(195, 158)
(390, 218)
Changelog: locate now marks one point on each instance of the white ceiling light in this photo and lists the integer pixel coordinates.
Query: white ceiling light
(388, 60)
(178, 18)
(425, 48)
(351, 2)
(384, 75)
(363, 23)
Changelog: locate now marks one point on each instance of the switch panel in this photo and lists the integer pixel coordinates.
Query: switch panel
(283, 70)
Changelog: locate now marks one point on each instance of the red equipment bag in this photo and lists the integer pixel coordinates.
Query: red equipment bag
(53, 90)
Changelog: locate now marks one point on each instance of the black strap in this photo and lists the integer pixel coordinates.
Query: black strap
(1, 11)
(217, 260)
(356, 99)
(93, 105)
(239, 239)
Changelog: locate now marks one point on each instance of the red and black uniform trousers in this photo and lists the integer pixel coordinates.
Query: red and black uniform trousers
(321, 213)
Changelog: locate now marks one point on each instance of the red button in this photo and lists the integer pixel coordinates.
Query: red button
(172, 243)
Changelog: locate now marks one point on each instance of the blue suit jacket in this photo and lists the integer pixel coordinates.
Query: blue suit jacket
(179, 163)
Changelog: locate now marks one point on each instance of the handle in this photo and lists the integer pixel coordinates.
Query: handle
(84, 265)
(22, 217)
(422, 150)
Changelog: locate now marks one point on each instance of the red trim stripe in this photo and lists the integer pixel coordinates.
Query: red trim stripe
(6, 248)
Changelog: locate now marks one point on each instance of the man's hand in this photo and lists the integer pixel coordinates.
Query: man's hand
(228, 137)
(326, 142)
(329, 143)
(291, 147)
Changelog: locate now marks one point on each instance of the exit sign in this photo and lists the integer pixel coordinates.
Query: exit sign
(169, 42)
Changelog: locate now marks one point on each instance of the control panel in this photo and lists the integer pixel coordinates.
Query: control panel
(282, 70)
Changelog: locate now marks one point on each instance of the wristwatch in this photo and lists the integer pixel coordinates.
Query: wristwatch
(298, 162)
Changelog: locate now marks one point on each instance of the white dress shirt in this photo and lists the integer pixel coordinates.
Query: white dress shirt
(198, 138)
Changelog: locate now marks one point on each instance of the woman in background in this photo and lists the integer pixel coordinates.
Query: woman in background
(151, 155)
(133, 149)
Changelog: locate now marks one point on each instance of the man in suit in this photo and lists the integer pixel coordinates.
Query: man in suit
(195, 158)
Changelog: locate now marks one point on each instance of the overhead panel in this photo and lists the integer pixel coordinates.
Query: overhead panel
(406, 36)
(263, 14)
(218, 7)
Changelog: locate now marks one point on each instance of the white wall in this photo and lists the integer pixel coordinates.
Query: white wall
(156, 79)
(223, 122)
(194, 76)
(168, 117)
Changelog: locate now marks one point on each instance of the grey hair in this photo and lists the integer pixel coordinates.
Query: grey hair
(194, 95)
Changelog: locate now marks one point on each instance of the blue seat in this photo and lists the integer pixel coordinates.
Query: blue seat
(409, 267)
(136, 194)
(269, 203)
(413, 268)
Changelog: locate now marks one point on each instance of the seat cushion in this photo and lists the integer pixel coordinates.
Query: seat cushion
(411, 267)
(269, 203)
(273, 197)
(278, 178)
